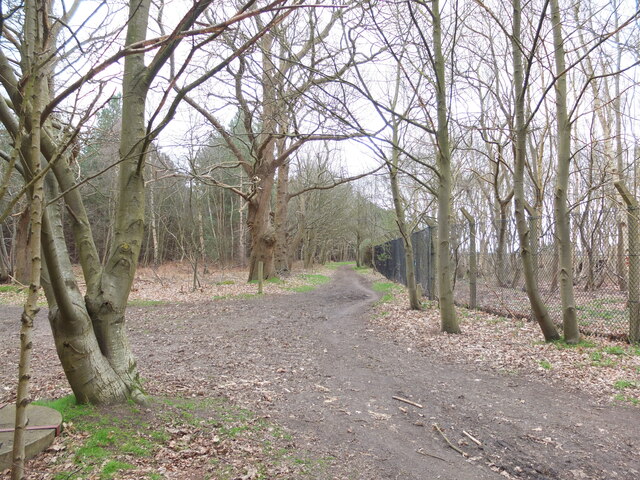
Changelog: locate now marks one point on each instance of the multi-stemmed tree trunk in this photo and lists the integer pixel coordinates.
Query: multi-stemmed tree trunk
(89, 331)
(569, 320)
(538, 308)
(291, 68)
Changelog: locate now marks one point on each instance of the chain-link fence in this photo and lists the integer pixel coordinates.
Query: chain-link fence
(600, 268)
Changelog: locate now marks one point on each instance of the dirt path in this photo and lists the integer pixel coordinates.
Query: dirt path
(315, 365)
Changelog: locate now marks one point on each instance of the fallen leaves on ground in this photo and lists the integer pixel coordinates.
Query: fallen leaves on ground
(607, 370)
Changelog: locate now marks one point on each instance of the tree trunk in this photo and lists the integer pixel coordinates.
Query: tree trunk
(88, 370)
(89, 332)
(563, 232)
(5, 261)
(154, 227)
(281, 263)
(240, 247)
(263, 237)
(34, 94)
(503, 223)
(448, 319)
(21, 253)
(538, 308)
(621, 267)
(405, 233)
(358, 251)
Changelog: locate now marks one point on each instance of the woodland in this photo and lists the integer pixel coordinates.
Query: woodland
(269, 134)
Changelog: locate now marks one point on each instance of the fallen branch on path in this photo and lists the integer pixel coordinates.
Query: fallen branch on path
(435, 425)
(400, 399)
(422, 452)
(472, 438)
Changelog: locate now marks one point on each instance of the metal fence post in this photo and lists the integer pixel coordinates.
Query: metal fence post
(634, 261)
(473, 265)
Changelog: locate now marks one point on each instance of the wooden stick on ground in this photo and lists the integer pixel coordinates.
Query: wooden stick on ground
(472, 438)
(435, 425)
(400, 399)
(422, 452)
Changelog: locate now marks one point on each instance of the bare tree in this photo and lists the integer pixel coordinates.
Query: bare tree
(570, 322)
(89, 330)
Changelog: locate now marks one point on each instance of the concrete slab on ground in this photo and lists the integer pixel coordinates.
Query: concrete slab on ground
(42, 425)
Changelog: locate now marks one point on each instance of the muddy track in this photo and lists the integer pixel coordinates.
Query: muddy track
(315, 365)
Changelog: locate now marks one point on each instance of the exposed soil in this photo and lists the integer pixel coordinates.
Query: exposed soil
(314, 364)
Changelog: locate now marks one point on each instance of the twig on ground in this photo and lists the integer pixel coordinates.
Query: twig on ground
(472, 438)
(435, 425)
(422, 452)
(400, 399)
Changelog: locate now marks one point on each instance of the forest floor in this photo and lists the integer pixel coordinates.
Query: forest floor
(339, 382)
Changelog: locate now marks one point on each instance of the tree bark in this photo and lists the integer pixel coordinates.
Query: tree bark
(89, 332)
(36, 14)
(405, 232)
(448, 319)
(563, 232)
(259, 224)
(281, 261)
(538, 308)
(501, 250)
(21, 252)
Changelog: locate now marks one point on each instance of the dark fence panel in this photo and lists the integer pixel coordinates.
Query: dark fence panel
(388, 259)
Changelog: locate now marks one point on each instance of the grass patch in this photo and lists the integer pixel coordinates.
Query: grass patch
(315, 278)
(106, 440)
(626, 399)
(303, 288)
(226, 282)
(312, 280)
(10, 289)
(598, 359)
(545, 364)
(239, 295)
(492, 320)
(272, 280)
(139, 302)
(562, 345)
(112, 467)
(614, 350)
(101, 443)
(336, 265)
(247, 295)
(626, 384)
(68, 407)
(388, 290)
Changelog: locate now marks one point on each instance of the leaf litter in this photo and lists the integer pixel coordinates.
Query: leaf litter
(607, 370)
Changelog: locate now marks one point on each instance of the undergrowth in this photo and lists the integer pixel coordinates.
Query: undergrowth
(100, 443)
